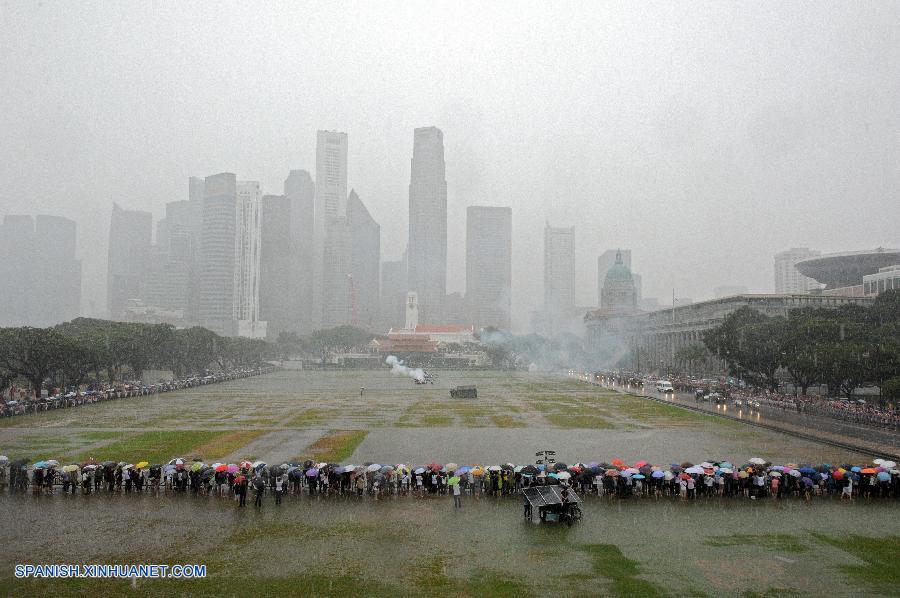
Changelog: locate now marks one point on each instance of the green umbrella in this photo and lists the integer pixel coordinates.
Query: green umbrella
(453, 481)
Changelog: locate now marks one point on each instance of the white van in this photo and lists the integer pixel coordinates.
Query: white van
(665, 387)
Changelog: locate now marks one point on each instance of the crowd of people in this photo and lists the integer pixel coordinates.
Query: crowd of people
(855, 411)
(753, 480)
(22, 401)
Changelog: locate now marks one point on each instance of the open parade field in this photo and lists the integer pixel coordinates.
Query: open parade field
(412, 546)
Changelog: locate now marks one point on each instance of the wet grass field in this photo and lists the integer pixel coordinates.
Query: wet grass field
(343, 546)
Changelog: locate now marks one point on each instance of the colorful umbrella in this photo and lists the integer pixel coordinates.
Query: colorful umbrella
(142, 464)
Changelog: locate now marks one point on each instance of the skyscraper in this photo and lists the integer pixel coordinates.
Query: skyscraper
(167, 283)
(365, 262)
(276, 266)
(427, 270)
(337, 279)
(130, 236)
(217, 252)
(229, 257)
(393, 294)
(246, 270)
(489, 266)
(330, 204)
(300, 190)
(787, 279)
(42, 277)
(559, 276)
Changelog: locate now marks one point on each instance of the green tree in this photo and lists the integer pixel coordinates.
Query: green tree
(32, 353)
(689, 355)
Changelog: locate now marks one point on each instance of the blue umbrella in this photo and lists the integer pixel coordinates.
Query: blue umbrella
(856, 469)
(807, 470)
(883, 476)
(658, 474)
(463, 469)
(40, 465)
(312, 472)
(638, 476)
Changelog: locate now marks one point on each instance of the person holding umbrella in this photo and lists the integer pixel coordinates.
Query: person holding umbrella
(259, 487)
(240, 488)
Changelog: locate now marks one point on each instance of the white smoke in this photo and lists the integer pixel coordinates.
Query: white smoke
(397, 367)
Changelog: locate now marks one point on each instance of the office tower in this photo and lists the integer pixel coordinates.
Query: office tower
(167, 283)
(489, 266)
(276, 295)
(788, 280)
(300, 190)
(330, 204)
(130, 236)
(365, 262)
(42, 278)
(246, 270)
(196, 196)
(337, 279)
(393, 294)
(427, 270)
(559, 276)
(217, 253)
(18, 257)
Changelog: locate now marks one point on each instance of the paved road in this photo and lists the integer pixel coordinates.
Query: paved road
(830, 428)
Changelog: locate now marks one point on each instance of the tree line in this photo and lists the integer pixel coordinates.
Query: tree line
(88, 349)
(844, 348)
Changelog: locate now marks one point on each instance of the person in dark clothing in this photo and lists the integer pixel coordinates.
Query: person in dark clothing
(527, 506)
(259, 494)
(241, 489)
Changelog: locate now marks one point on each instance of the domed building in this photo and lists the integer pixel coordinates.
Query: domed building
(612, 330)
(619, 293)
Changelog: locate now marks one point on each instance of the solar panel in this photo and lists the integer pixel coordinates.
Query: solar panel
(543, 496)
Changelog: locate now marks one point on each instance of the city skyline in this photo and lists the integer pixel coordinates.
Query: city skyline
(762, 127)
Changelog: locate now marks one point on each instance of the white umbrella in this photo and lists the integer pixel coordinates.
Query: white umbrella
(758, 461)
(494, 468)
(373, 467)
(707, 464)
(889, 464)
(776, 474)
(795, 473)
(563, 475)
(4, 459)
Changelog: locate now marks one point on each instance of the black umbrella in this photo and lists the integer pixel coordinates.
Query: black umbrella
(259, 482)
(530, 470)
(560, 467)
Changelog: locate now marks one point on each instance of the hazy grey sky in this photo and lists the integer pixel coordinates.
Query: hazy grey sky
(705, 137)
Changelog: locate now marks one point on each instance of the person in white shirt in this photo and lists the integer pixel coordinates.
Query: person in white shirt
(456, 495)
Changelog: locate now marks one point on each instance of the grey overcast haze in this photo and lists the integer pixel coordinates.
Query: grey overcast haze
(705, 137)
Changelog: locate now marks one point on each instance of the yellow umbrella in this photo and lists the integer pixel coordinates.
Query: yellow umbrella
(142, 465)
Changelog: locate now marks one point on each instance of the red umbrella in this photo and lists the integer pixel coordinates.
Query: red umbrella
(640, 463)
(239, 479)
(618, 462)
(435, 467)
(684, 476)
(221, 468)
